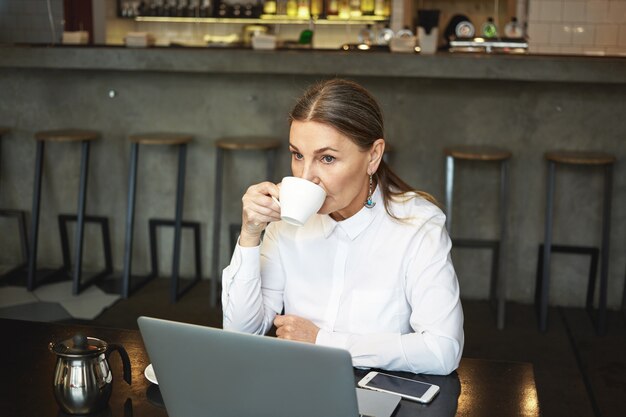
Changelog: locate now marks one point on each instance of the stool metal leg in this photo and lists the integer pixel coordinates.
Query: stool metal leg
(449, 189)
(130, 220)
(80, 224)
(180, 194)
(217, 216)
(604, 254)
(34, 230)
(547, 248)
(504, 198)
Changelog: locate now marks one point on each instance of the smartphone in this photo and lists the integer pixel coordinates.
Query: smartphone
(406, 388)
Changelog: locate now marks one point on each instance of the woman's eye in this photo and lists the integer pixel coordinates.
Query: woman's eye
(328, 159)
(297, 155)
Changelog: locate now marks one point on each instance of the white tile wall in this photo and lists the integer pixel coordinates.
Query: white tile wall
(574, 11)
(606, 35)
(551, 11)
(539, 33)
(583, 34)
(621, 41)
(597, 11)
(560, 34)
(590, 27)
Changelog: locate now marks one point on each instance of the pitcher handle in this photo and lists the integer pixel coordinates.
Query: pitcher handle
(125, 360)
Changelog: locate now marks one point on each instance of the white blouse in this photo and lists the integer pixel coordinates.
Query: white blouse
(384, 290)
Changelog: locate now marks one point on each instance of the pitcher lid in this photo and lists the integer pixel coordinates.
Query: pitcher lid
(79, 345)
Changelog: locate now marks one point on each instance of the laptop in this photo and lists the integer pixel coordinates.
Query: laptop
(204, 371)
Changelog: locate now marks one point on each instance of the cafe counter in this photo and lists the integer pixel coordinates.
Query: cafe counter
(464, 66)
(523, 103)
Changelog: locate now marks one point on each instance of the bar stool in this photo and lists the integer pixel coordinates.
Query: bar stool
(20, 216)
(579, 158)
(497, 291)
(162, 139)
(269, 145)
(85, 137)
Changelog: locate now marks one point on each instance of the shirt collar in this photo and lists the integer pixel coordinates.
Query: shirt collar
(353, 226)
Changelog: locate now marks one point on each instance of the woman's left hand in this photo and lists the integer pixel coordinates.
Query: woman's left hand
(295, 328)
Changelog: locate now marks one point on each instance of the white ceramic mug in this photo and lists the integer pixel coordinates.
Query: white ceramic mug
(299, 200)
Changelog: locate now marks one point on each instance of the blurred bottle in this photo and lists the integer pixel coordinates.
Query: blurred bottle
(292, 8)
(304, 9)
(156, 8)
(181, 8)
(332, 7)
(367, 7)
(193, 9)
(379, 7)
(344, 9)
(513, 29)
(205, 9)
(169, 8)
(385, 36)
(366, 36)
(355, 8)
(489, 28)
(269, 7)
(317, 8)
(281, 7)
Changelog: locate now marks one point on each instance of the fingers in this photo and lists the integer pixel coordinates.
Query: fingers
(295, 328)
(258, 206)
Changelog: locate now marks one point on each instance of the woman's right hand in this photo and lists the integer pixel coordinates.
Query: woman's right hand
(258, 210)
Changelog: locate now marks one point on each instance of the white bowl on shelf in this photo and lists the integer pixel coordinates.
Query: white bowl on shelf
(263, 41)
(404, 44)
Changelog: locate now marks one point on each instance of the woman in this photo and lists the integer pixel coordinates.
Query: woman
(371, 272)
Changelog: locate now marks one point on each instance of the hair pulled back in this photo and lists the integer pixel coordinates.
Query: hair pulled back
(354, 112)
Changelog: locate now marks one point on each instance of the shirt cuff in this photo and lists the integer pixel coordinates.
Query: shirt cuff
(332, 339)
(245, 265)
(248, 261)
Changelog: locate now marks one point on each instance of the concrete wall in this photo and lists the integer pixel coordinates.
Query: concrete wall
(423, 116)
(28, 21)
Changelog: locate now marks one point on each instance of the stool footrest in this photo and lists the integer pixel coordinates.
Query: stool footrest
(494, 245)
(176, 292)
(106, 245)
(592, 251)
(20, 216)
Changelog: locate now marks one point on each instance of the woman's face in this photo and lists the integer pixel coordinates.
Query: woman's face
(326, 157)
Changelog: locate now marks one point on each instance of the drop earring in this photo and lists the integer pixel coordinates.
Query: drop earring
(369, 203)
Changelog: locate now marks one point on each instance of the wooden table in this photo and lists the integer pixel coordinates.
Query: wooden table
(478, 388)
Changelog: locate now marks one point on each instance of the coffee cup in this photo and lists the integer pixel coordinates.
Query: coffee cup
(299, 200)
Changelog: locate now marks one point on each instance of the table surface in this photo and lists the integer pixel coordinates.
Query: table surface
(478, 388)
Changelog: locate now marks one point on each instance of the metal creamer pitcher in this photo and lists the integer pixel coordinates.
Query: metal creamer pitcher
(82, 376)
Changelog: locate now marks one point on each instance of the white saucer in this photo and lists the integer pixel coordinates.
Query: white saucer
(149, 373)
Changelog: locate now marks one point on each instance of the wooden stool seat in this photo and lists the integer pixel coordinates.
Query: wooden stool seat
(477, 153)
(66, 135)
(161, 138)
(580, 157)
(248, 143)
(4, 130)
